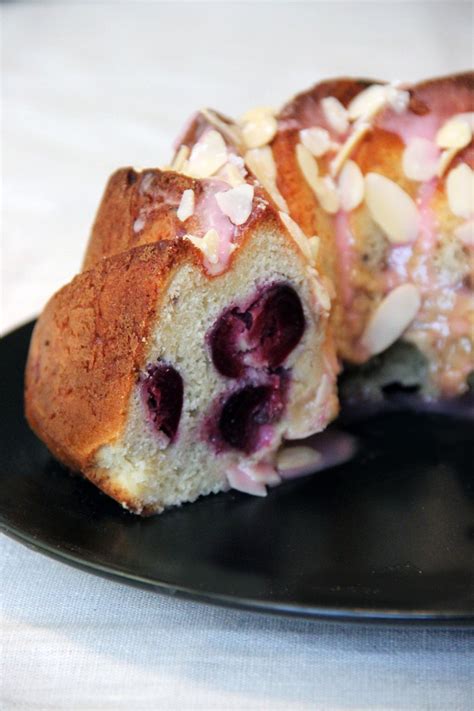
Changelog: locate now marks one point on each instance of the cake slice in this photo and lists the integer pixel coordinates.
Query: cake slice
(192, 344)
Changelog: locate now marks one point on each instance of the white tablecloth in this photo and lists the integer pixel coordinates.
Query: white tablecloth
(91, 86)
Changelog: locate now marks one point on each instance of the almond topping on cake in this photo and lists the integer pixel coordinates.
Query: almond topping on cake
(207, 156)
(391, 208)
(307, 165)
(391, 318)
(261, 163)
(327, 194)
(236, 203)
(208, 245)
(351, 186)
(445, 160)
(180, 159)
(348, 146)
(297, 233)
(460, 190)
(371, 100)
(317, 140)
(259, 127)
(335, 114)
(455, 133)
(186, 205)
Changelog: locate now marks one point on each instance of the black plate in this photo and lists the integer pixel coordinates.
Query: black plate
(386, 536)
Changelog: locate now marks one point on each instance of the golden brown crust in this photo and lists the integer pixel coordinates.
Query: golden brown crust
(88, 347)
(136, 208)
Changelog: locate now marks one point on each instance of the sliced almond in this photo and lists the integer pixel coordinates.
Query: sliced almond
(351, 186)
(307, 165)
(391, 208)
(368, 102)
(465, 233)
(259, 126)
(229, 130)
(297, 233)
(445, 160)
(208, 245)
(186, 205)
(261, 163)
(468, 117)
(236, 203)
(391, 318)
(314, 244)
(207, 156)
(348, 146)
(455, 133)
(317, 140)
(420, 159)
(371, 100)
(335, 114)
(232, 175)
(322, 300)
(327, 194)
(292, 460)
(460, 190)
(180, 159)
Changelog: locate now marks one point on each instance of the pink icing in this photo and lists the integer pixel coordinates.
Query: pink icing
(345, 253)
(211, 217)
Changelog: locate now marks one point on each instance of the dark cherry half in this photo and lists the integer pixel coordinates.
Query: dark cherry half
(162, 393)
(262, 335)
(247, 410)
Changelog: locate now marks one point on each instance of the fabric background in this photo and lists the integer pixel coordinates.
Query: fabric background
(88, 87)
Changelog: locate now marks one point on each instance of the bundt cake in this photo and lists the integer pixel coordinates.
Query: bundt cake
(192, 344)
(220, 294)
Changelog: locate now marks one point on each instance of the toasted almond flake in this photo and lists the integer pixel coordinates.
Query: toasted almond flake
(455, 133)
(348, 146)
(321, 295)
(259, 131)
(391, 208)
(317, 140)
(460, 190)
(391, 318)
(445, 160)
(298, 457)
(297, 233)
(327, 194)
(209, 245)
(261, 163)
(420, 159)
(468, 117)
(371, 100)
(232, 175)
(307, 165)
(368, 102)
(314, 244)
(335, 114)
(256, 113)
(180, 158)
(186, 206)
(207, 156)
(351, 186)
(465, 233)
(230, 131)
(236, 203)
